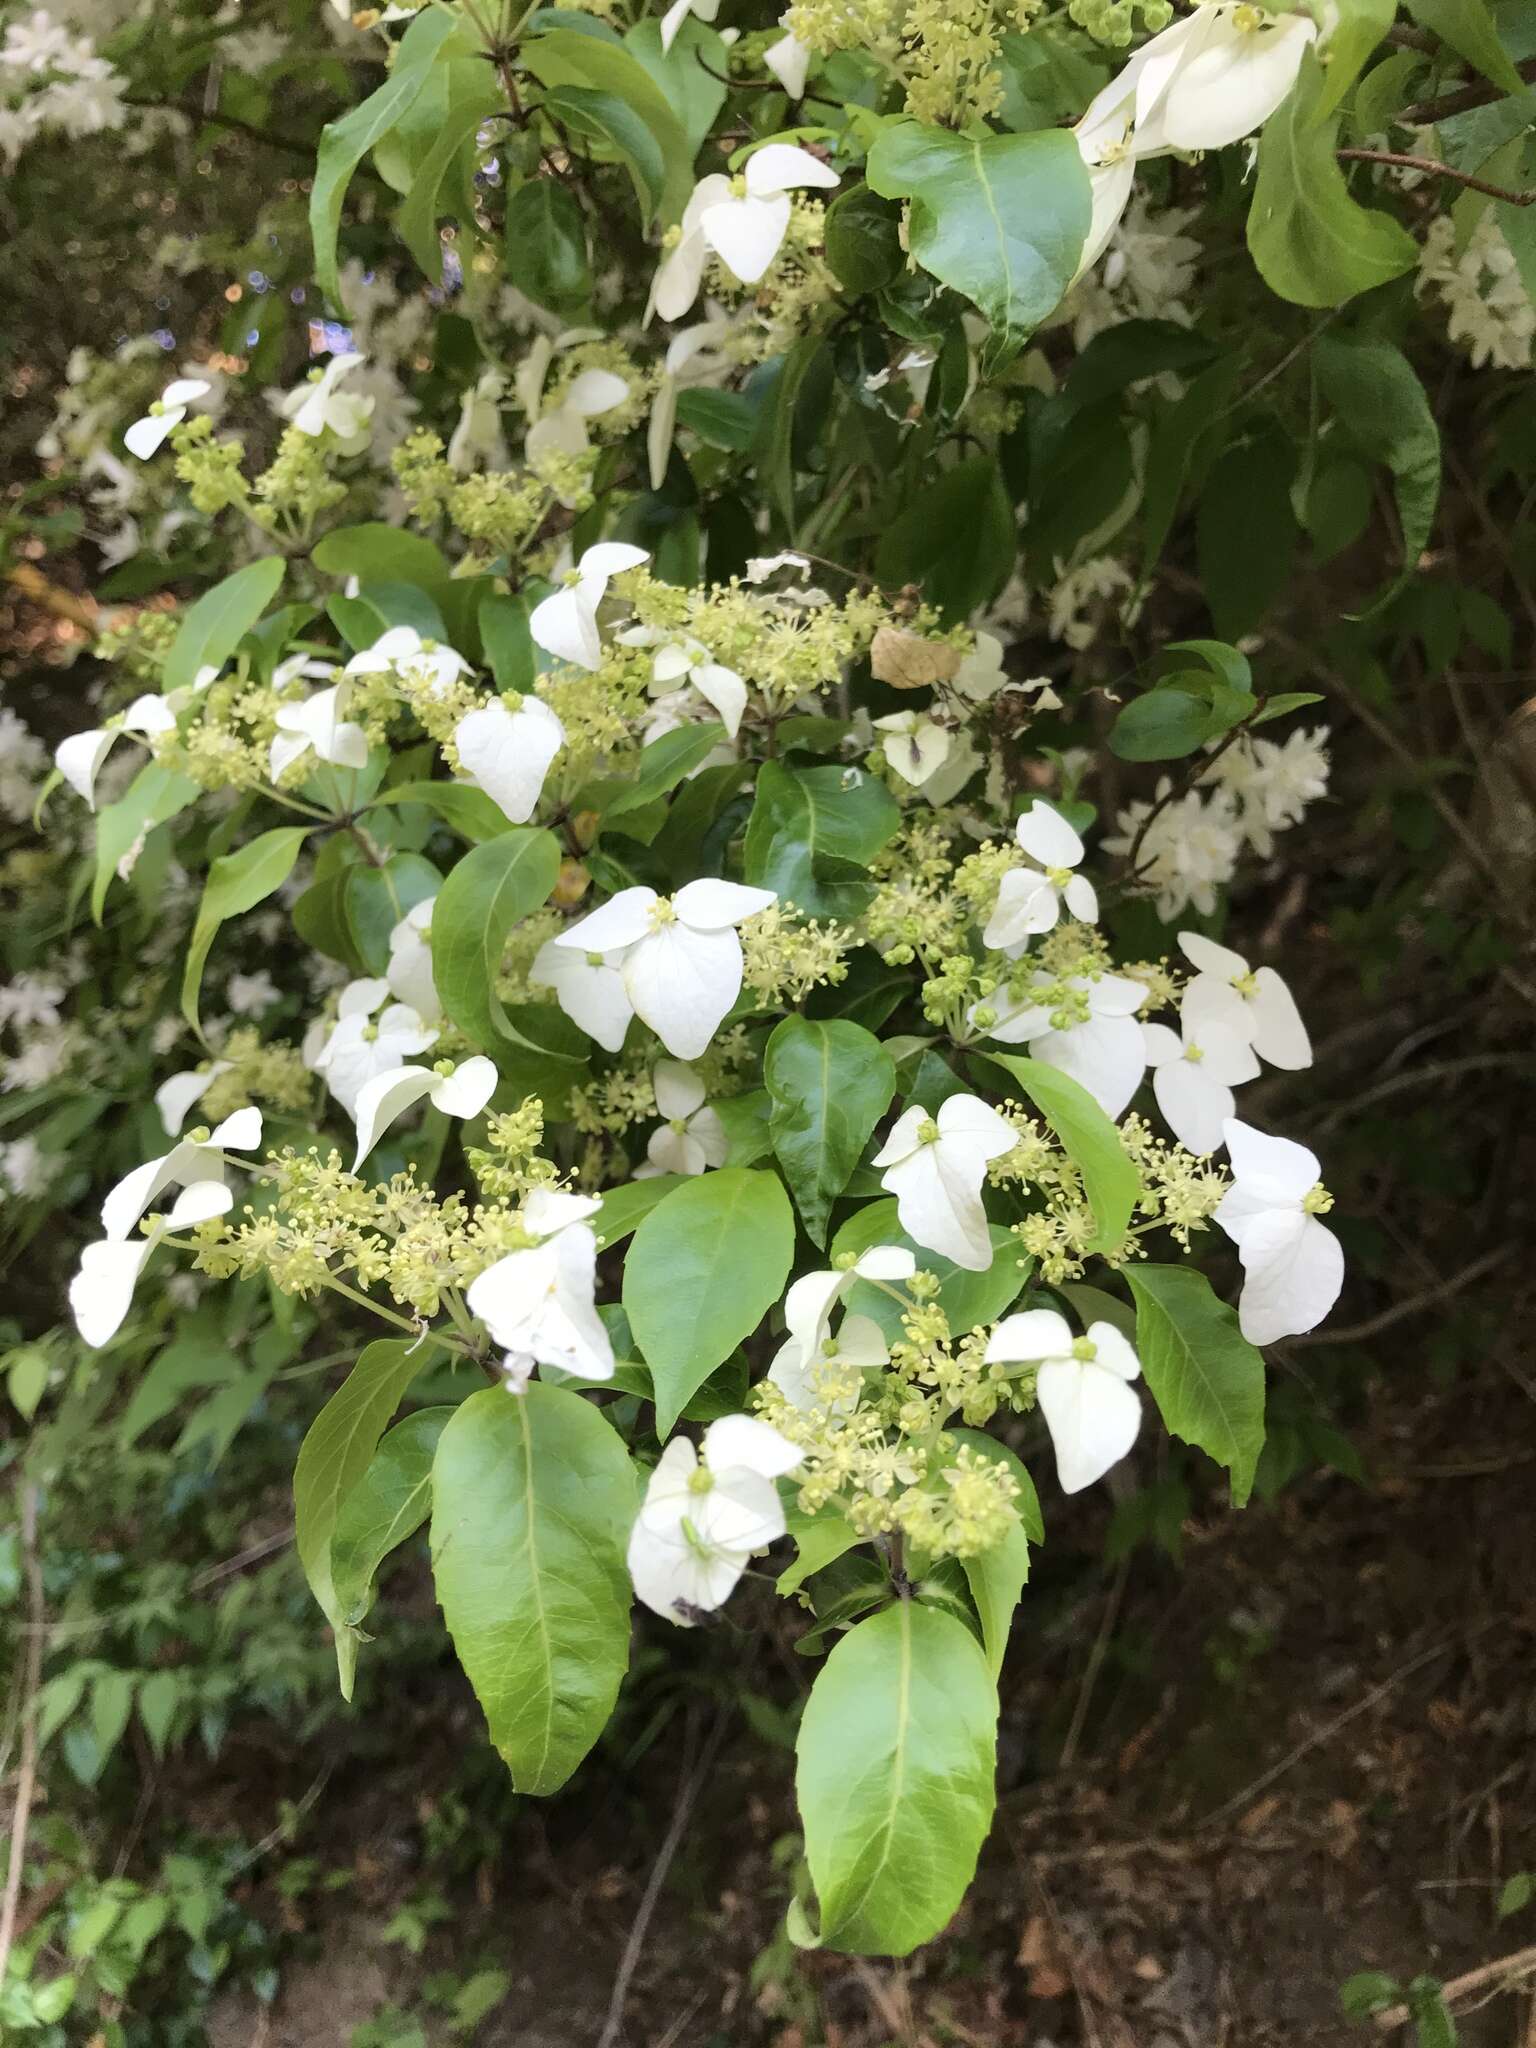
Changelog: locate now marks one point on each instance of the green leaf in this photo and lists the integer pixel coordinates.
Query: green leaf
(1091, 1141)
(214, 627)
(813, 833)
(661, 767)
(958, 539)
(333, 1458)
(863, 240)
(473, 93)
(159, 1694)
(626, 1207)
(490, 890)
(344, 143)
(1382, 408)
(1165, 724)
(967, 1298)
(1246, 531)
(532, 1502)
(566, 57)
(111, 1704)
(1312, 243)
(693, 92)
(799, 382)
(1468, 26)
(744, 1119)
(376, 553)
(386, 1506)
(1206, 1378)
(1517, 1893)
(998, 1576)
(547, 247)
(820, 1539)
(831, 1083)
(895, 1764)
(703, 1270)
(1001, 218)
(374, 899)
(236, 882)
(1358, 27)
(155, 795)
(603, 118)
(508, 642)
(469, 812)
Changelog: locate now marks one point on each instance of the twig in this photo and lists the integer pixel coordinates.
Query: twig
(26, 1782)
(1425, 113)
(1436, 169)
(52, 597)
(1415, 1077)
(196, 115)
(688, 1791)
(253, 1555)
(1095, 1660)
(1503, 1974)
(1400, 1311)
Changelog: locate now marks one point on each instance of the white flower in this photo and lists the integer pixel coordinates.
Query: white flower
(1082, 1387)
(1030, 902)
(761, 567)
(1193, 1076)
(26, 1169)
(319, 406)
(1189, 850)
(194, 1159)
(478, 437)
(701, 1520)
(463, 1092)
(506, 747)
(37, 44)
(808, 1309)
(682, 962)
(935, 1166)
(681, 660)
(1293, 1266)
(981, 673)
(80, 758)
(174, 1098)
(358, 1047)
(250, 995)
(101, 1292)
(742, 220)
(693, 357)
(403, 650)
(317, 723)
(693, 1138)
(678, 13)
(26, 1001)
(789, 60)
(1104, 1049)
(1254, 1003)
(169, 410)
(409, 972)
(562, 430)
(803, 1377)
(566, 622)
(1273, 785)
(588, 986)
(917, 748)
(538, 1302)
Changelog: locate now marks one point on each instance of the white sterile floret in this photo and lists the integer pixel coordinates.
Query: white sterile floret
(361, 1046)
(463, 1092)
(681, 957)
(935, 1165)
(681, 660)
(562, 428)
(808, 1310)
(1083, 1387)
(678, 13)
(317, 723)
(588, 985)
(194, 1159)
(566, 622)
(790, 61)
(914, 746)
(174, 1098)
(693, 1138)
(402, 650)
(538, 1302)
(742, 220)
(1194, 1071)
(1253, 1002)
(1105, 1051)
(1293, 1266)
(319, 406)
(144, 437)
(505, 748)
(101, 1292)
(799, 1374)
(693, 357)
(1029, 901)
(409, 972)
(702, 1518)
(81, 757)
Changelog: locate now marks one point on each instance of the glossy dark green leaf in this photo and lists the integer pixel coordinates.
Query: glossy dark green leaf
(546, 250)
(813, 833)
(490, 890)
(830, 1082)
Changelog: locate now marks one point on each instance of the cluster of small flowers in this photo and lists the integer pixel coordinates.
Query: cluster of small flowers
(1148, 268)
(23, 764)
(1478, 281)
(52, 79)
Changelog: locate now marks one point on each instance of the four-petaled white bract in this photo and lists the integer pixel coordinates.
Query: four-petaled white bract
(403, 649)
(1082, 1387)
(101, 1292)
(170, 409)
(693, 1138)
(681, 958)
(702, 1518)
(808, 1310)
(678, 13)
(1252, 1002)
(1193, 1075)
(935, 1165)
(915, 746)
(744, 228)
(321, 406)
(1293, 1265)
(588, 985)
(682, 660)
(463, 1092)
(1105, 1051)
(539, 1302)
(194, 1159)
(409, 972)
(505, 748)
(80, 758)
(318, 723)
(1029, 901)
(361, 1046)
(566, 622)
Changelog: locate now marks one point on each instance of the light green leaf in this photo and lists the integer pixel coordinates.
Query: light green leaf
(1091, 1142)
(214, 627)
(159, 1694)
(333, 1458)
(344, 143)
(619, 132)
(1382, 408)
(1312, 243)
(968, 1299)
(1468, 26)
(820, 1539)
(566, 57)
(378, 554)
(1359, 26)
(813, 833)
(374, 899)
(490, 890)
(155, 795)
(386, 1506)
(1001, 218)
(694, 94)
(1206, 1378)
(473, 92)
(469, 812)
(831, 1082)
(703, 1270)
(661, 767)
(111, 1704)
(533, 1500)
(626, 1207)
(895, 1765)
(236, 882)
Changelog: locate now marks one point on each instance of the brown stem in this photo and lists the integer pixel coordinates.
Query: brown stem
(26, 1781)
(1439, 170)
(1425, 113)
(1504, 1973)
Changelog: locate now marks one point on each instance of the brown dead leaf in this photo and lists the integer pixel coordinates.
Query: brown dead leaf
(908, 661)
(1259, 1816)
(572, 884)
